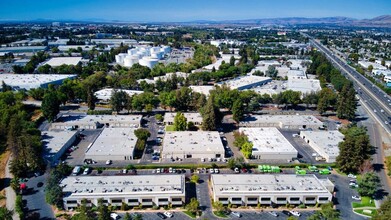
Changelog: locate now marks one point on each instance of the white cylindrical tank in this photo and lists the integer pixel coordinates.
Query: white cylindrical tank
(157, 55)
(166, 49)
(148, 62)
(128, 61)
(155, 49)
(120, 57)
(132, 51)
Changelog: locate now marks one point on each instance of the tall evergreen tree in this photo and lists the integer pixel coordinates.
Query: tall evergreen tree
(180, 122)
(210, 117)
(238, 110)
(50, 105)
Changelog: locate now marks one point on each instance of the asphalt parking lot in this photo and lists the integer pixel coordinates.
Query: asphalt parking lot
(76, 157)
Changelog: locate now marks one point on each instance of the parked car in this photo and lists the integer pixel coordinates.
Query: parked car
(275, 214)
(237, 170)
(217, 170)
(211, 170)
(86, 171)
(124, 171)
(157, 170)
(352, 176)
(114, 216)
(168, 214)
(237, 214)
(358, 198)
(108, 162)
(161, 215)
(295, 213)
(286, 212)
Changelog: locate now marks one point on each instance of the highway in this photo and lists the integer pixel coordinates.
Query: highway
(377, 100)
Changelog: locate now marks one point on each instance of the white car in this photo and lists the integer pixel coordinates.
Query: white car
(237, 214)
(355, 185)
(295, 213)
(217, 170)
(352, 176)
(168, 214)
(108, 162)
(211, 170)
(358, 198)
(273, 213)
(86, 171)
(157, 170)
(114, 216)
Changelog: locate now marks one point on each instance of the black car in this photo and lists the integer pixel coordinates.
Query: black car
(161, 215)
(40, 184)
(286, 212)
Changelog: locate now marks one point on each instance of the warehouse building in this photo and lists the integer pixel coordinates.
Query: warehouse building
(113, 144)
(325, 143)
(305, 86)
(194, 117)
(33, 81)
(58, 61)
(202, 89)
(192, 144)
(268, 189)
(245, 82)
(96, 121)
(291, 122)
(145, 190)
(269, 144)
(56, 143)
(105, 94)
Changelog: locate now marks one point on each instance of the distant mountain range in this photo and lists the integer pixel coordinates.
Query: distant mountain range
(381, 21)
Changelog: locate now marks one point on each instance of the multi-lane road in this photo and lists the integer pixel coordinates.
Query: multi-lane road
(374, 98)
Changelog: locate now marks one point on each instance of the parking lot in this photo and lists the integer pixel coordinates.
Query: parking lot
(76, 157)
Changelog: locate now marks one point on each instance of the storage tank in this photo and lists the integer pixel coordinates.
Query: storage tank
(120, 57)
(132, 51)
(148, 62)
(155, 49)
(166, 49)
(157, 55)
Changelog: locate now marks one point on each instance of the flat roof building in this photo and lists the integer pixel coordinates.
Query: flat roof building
(145, 190)
(27, 49)
(55, 143)
(267, 189)
(58, 61)
(269, 144)
(282, 121)
(96, 121)
(245, 82)
(304, 86)
(325, 143)
(202, 89)
(113, 144)
(192, 144)
(194, 117)
(105, 94)
(33, 81)
(296, 74)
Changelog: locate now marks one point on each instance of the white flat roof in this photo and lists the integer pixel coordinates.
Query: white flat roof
(114, 141)
(290, 120)
(241, 81)
(105, 94)
(304, 85)
(91, 119)
(29, 81)
(226, 184)
(268, 140)
(53, 141)
(190, 116)
(327, 141)
(108, 186)
(296, 74)
(202, 89)
(58, 61)
(170, 75)
(192, 142)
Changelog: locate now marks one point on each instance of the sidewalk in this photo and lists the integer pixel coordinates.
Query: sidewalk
(9, 192)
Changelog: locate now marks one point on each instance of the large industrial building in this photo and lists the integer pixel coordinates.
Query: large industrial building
(105, 94)
(325, 143)
(194, 117)
(55, 143)
(269, 144)
(96, 121)
(267, 189)
(305, 86)
(192, 144)
(33, 81)
(202, 89)
(58, 61)
(113, 144)
(145, 190)
(291, 122)
(245, 82)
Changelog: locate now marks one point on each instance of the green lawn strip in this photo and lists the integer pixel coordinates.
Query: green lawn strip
(365, 202)
(220, 214)
(170, 128)
(190, 214)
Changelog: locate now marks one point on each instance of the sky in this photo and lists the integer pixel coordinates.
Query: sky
(187, 10)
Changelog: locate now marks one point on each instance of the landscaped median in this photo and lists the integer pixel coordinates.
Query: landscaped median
(366, 207)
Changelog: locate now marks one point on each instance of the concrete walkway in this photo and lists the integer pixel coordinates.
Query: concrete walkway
(9, 192)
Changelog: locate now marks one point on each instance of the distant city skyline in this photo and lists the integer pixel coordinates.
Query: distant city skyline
(186, 10)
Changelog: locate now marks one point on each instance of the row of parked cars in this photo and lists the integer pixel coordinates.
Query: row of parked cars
(169, 170)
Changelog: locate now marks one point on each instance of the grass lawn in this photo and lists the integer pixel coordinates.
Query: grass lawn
(190, 214)
(219, 214)
(365, 202)
(170, 128)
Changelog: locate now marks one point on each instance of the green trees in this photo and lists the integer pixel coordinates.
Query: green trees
(354, 150)
(103, 211)
(210, 115)
(271, 71)
(180, 122)
(347, 103)
(5, 214)
(327, 98)
(193, 206)
(53, 191)
(50, 105)
(142, 135)
(368, 184)
(384, 212)
(241, 142)
(327, 212)
(85, 212)
(195, 178)
(238, 110)
(19, 206)
(119, 100)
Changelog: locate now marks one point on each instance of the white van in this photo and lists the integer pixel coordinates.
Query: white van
(76, 171)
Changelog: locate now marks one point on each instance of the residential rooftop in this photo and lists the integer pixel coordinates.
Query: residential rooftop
(115, 185)
(58, 61)
(268, 140)
(192, 142)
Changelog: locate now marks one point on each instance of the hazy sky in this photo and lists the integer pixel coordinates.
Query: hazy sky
(188, 10)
